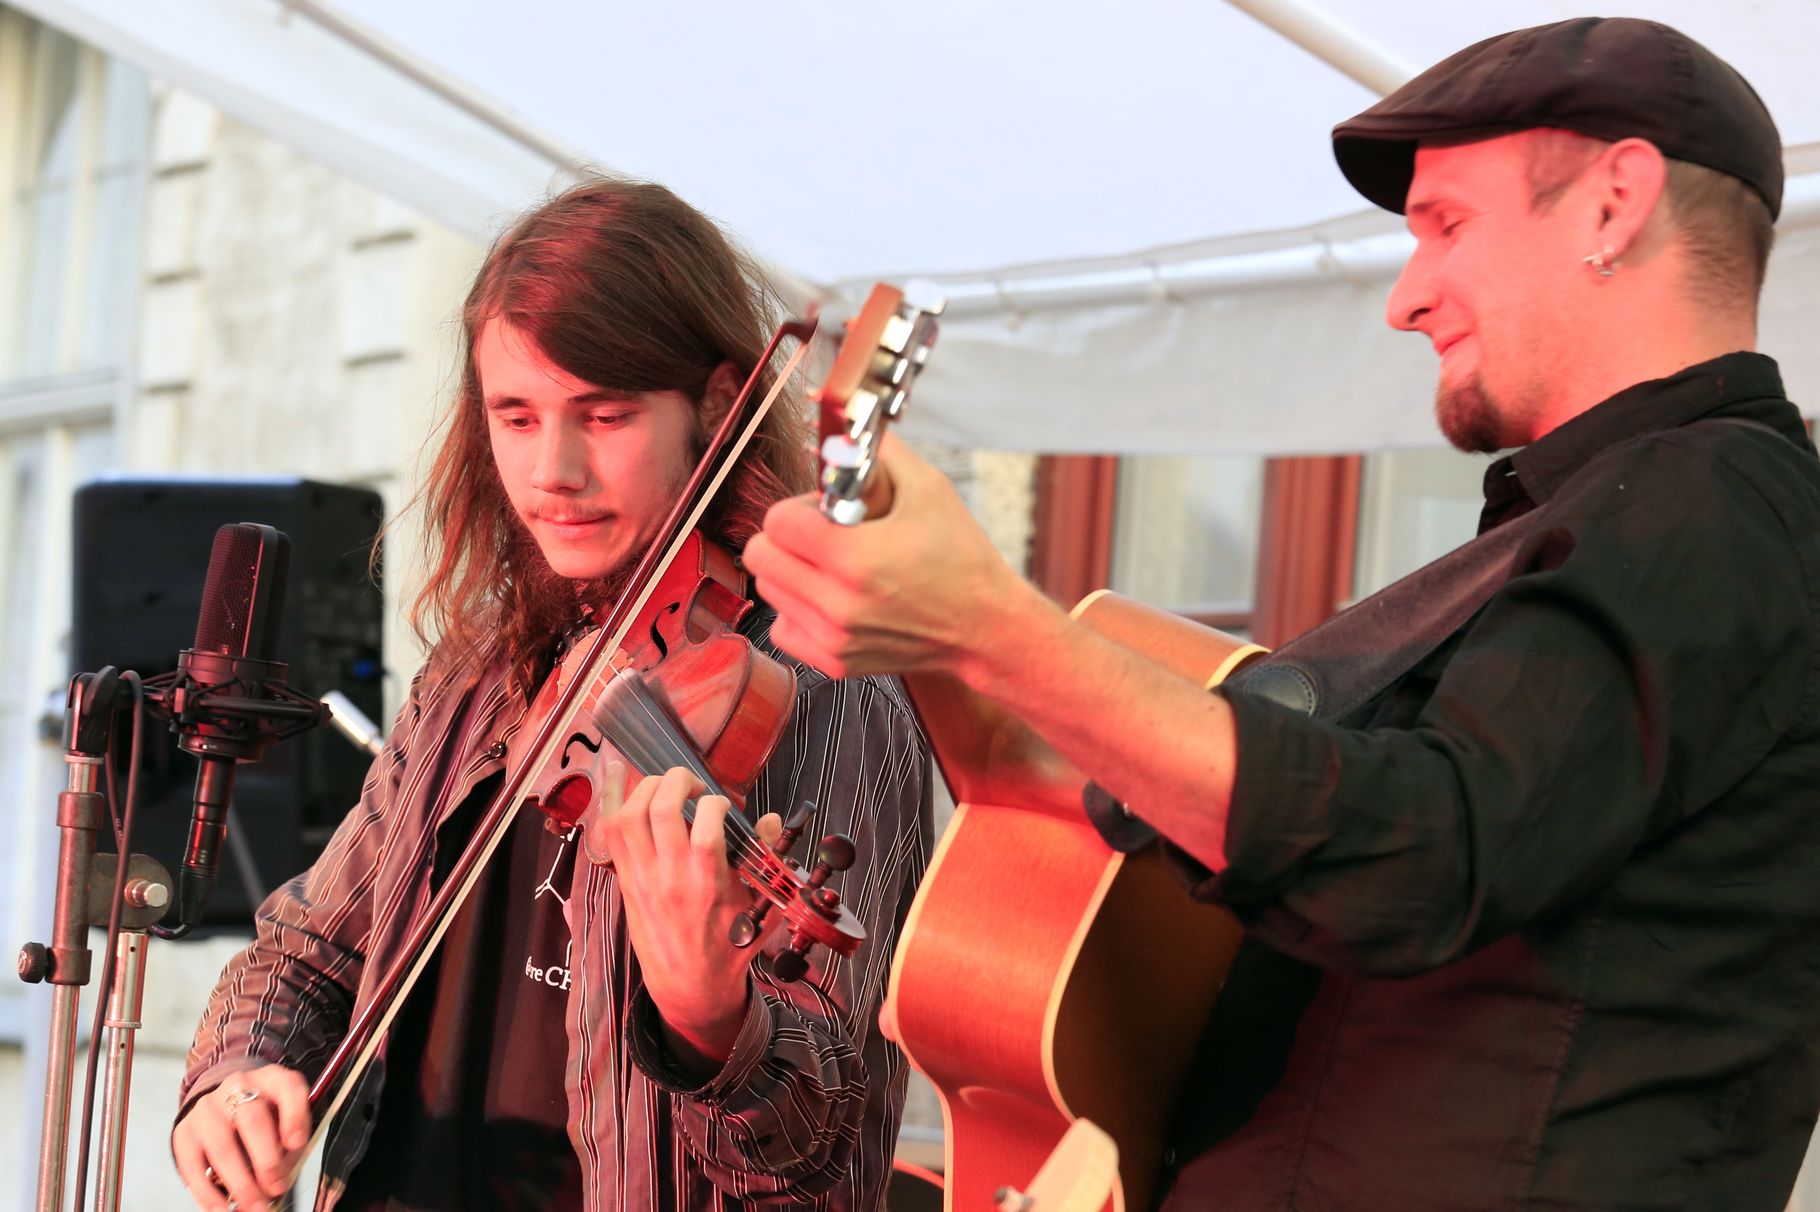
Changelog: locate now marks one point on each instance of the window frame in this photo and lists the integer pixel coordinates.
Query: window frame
(1306, 551)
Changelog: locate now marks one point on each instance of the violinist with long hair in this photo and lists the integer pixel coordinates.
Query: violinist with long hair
(586, 1035)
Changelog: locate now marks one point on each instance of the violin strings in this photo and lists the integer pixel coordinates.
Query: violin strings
(741, 831)
(742, 840)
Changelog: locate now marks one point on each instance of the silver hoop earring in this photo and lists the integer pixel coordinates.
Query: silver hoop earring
(1603, 263)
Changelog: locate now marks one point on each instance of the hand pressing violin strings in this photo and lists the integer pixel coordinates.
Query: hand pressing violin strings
(681, 896)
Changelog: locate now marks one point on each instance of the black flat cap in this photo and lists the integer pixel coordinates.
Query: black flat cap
(1609, 78)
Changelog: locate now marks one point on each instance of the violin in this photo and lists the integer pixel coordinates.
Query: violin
(685, 663)
(691, 691)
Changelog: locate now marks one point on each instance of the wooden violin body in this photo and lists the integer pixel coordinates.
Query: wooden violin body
(692, 693)
(730, 701)
(1041, 976)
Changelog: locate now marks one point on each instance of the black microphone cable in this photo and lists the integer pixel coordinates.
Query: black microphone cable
(122, 821)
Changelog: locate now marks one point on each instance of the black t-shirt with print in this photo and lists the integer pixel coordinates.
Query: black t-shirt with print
(474, 1115)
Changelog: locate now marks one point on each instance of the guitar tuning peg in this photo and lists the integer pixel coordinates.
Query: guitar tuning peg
(925, 296)
(1010, 1199)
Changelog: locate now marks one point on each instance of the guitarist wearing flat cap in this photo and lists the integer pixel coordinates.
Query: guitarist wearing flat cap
(1533, 918)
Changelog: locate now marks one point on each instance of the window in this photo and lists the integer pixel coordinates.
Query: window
(1186, 535)
(72, 167)
(1258, 547)
(1417, 506)
(74, 143)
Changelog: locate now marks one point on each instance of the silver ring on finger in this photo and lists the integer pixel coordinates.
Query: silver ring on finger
(238, 1098)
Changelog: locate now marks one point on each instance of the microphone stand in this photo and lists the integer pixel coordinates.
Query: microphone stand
(225, 709)
(84, 898)
(85, 893)
(123, 1022)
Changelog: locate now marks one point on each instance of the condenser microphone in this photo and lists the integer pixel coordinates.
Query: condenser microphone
(228, 700)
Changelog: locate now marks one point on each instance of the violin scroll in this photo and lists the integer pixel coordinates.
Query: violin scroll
(814, 910)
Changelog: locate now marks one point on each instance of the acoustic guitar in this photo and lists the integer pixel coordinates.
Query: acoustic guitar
(1041, 977)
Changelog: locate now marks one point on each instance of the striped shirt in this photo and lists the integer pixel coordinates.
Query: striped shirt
(804, 1112)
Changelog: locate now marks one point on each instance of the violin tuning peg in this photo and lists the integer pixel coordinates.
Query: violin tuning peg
(790, 965)
(793, 828)
(836, 851)
(748, 926)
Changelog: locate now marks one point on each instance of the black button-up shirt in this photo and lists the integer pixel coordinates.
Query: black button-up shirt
(1550, 905)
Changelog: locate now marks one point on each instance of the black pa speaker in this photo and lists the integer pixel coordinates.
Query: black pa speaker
(142, 556)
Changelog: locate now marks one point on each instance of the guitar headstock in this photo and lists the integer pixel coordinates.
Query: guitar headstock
(882, 350)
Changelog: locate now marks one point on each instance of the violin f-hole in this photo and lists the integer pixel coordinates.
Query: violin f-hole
(657, 635)
(578, 738)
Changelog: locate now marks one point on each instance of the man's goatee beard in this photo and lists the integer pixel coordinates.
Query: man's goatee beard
(1467, 418)
(598, 595)
(552, 603)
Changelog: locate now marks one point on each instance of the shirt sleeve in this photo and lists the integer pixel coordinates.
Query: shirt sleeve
(809, 1101)
(1646, 654)
(286, 999)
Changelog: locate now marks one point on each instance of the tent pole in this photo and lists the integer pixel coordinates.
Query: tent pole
(455, 92)
(1327, 40)
(1364, 260)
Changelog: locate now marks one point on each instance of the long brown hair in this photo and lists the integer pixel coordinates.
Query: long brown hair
(625, 286)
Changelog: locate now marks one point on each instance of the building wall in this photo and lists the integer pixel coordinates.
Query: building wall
(73, 141)
(292, 323)
(288, 323)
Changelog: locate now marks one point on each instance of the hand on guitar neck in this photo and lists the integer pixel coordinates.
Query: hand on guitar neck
(885, 571)
(916, 587)
(921, 589)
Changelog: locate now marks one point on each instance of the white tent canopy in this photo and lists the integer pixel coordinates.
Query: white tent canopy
(1133, 207)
